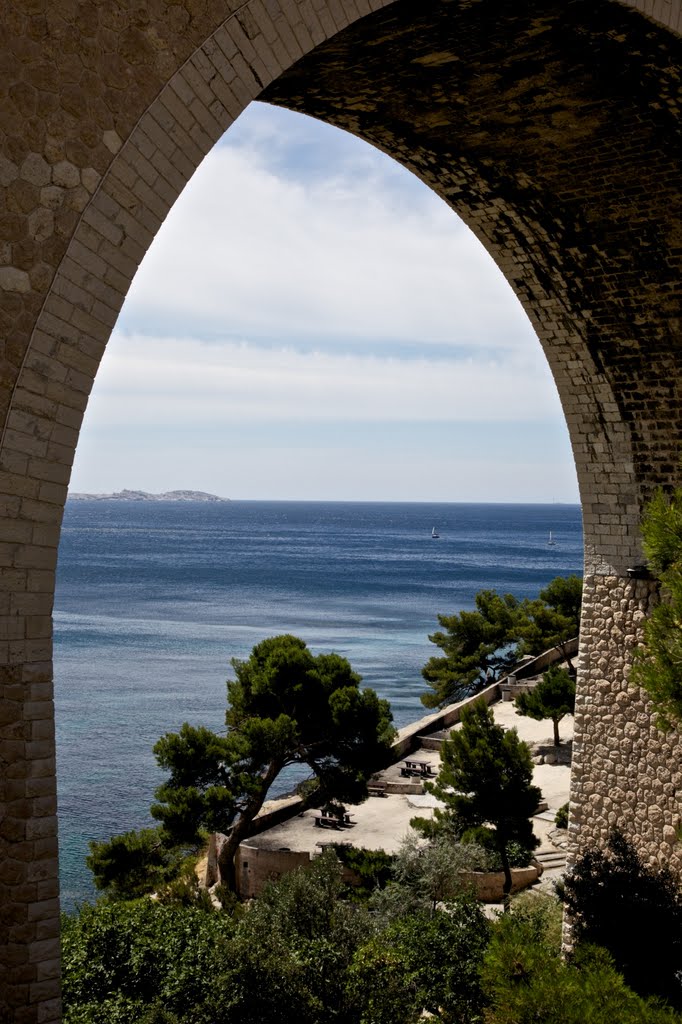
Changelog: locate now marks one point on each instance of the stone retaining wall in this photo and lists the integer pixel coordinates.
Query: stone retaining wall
(257, 866)
(410, 736)
(625, 771)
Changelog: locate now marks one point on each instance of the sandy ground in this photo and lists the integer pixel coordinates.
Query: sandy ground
(381, 823)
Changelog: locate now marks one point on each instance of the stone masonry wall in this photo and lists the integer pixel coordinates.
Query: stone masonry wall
(625, 771)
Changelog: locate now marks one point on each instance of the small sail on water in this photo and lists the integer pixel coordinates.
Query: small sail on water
(434, 534)
(551, 543)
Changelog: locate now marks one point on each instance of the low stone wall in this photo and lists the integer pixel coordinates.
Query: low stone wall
(406, 788)
(410, 736)
(544, 660)
(256, 867)
(489, 885)
(274, 812)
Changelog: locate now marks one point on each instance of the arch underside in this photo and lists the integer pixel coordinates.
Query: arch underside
(551, 128)
(520, 127)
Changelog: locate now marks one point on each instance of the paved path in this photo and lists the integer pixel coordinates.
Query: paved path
(383, 822)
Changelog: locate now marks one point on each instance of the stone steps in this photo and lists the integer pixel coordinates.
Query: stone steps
(551, 858)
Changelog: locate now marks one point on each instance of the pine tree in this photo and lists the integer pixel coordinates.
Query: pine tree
(286, 706)
(480, 645)
(486, 780)
(553, 697)
(476, 646)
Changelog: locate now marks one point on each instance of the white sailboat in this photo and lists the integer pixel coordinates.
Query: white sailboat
(434, 534)
(551, 543)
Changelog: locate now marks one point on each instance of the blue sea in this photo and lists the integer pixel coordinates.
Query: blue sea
(154, 600)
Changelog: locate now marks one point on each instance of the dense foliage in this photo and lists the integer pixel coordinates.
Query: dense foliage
(423, 962)
(561, 816)
(553, 697)
(300, 953)
(485, 784)
(658, 662)
(371, 870)
(305, 954)
(481, 645)
(136, 863)
(286, 706)
(526, 981)
(632, 910)
(425, 876)
(120, 959)
(477, 646)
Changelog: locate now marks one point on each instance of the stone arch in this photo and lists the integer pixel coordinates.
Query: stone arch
(549, 128)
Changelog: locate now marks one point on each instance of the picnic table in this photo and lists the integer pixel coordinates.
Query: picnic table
(328, 819)
(422, 769)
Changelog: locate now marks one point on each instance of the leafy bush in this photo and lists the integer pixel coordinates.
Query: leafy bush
(292, 951)
(121, 958)
(373, 868)
(561, 816)
(527, 982)
(484, 839)
(423, 962)
(634, 911)
(137, 863)
(302, 954)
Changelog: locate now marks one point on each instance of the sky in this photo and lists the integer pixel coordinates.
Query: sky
(313, 323)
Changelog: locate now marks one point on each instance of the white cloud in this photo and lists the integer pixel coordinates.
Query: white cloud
(273, 343)
(256, 251)
(171, 380)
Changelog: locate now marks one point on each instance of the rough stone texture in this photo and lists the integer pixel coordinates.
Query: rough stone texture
(551, 127)
(625, 771)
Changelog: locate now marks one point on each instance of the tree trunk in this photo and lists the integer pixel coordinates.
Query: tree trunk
(507, 887)
(242, 828)
(557, 741)
(567, 658)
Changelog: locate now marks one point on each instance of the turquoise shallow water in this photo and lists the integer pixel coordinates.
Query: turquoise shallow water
(154, 599)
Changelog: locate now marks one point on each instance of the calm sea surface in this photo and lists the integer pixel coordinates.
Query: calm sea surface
(154, 599)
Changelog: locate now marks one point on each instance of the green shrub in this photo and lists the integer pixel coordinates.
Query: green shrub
(634, 911)
(519, 856)
(424, 961)
(373, 868)
(120, 958)
(527, 982)
(561, 816)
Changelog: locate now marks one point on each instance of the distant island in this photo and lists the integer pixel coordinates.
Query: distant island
(146, 496)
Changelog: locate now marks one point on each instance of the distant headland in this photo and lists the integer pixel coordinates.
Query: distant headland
(146, 496)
